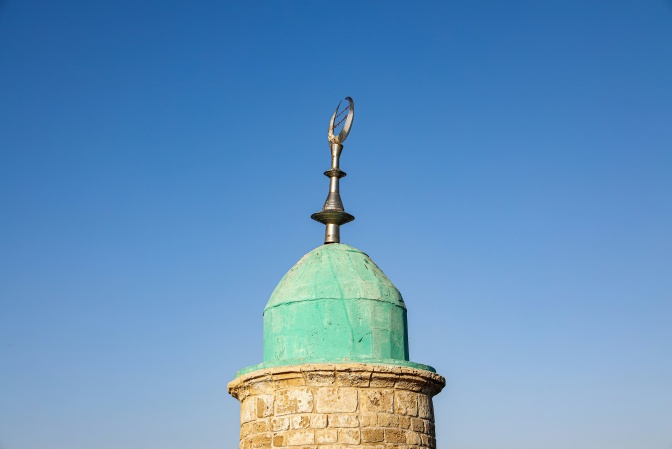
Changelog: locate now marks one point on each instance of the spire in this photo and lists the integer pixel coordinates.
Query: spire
(333, 214)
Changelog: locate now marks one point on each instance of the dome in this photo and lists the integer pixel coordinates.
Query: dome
(335, 305)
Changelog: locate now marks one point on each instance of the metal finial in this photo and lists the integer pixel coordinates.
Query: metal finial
(333, 214)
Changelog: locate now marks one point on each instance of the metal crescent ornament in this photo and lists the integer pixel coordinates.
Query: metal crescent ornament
(340, 138)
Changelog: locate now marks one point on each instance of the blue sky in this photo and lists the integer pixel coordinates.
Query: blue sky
(510, 168)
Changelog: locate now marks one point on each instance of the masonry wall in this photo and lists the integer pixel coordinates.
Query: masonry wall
(337, 406)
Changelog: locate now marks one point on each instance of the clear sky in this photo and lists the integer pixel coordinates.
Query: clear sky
(510, 168)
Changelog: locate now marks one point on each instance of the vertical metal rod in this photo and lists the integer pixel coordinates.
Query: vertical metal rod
(332, 233)
(333, 214)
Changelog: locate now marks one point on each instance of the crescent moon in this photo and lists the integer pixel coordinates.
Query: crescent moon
(346, 127)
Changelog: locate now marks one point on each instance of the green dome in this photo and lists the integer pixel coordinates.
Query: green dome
(335, 271)
(335, 305)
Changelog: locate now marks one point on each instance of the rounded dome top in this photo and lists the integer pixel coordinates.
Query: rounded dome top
(335, 305)
(335, 271)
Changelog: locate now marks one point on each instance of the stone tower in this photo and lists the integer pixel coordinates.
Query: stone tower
(336, 370)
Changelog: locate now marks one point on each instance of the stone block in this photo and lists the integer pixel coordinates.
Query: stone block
(406, 403)
(293, 401)
(264, 405)
(287, 379)
(395, 436)
(388, 420)
(417, 425)
(248, 410)
(353, 379)
(318, 421)
(300, 437)
(413, 438)
(343, 421)
(245, 429)
(425, 407)
(320, 378)
(409, 382)
(376, 401)
(380, 380)
(368, 420)
(326, 436)
(278, 424)
(349, 436)
(373, 435)
(259, 426)
(404, 422)
(260, 386)
(300, 421)
(336, 400)
(261, 441)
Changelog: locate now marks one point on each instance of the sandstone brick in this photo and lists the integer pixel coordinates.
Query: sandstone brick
(300, 422)
(261, 441)
(417, 425)
(353, 379)
(425, 407)
(373, 435)
(281, 423)
(279, 441)
(390, 369)
(325, 436)
(334, 403)
(259, 426)
(287, 380)
(318, 421)
(336, 400)
(290, 383)
(404, 422)
(383, 380)
(409, 382)
(387, 420)
(395, 436)
(300, 437)
(349, 436)
(376, 401)
(343, 421)
(260, 386)
(406, 403)
(320, 378)
(292, 401)
(264, 405)
(245, 429)
(368, 420)
(248, 410)
(413, 438)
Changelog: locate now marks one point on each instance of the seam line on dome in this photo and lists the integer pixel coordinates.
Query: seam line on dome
(401, 306)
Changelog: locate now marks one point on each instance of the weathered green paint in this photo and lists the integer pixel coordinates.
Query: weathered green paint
(335, 306)
(335, 328)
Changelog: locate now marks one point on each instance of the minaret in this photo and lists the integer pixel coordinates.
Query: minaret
(336, 370)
